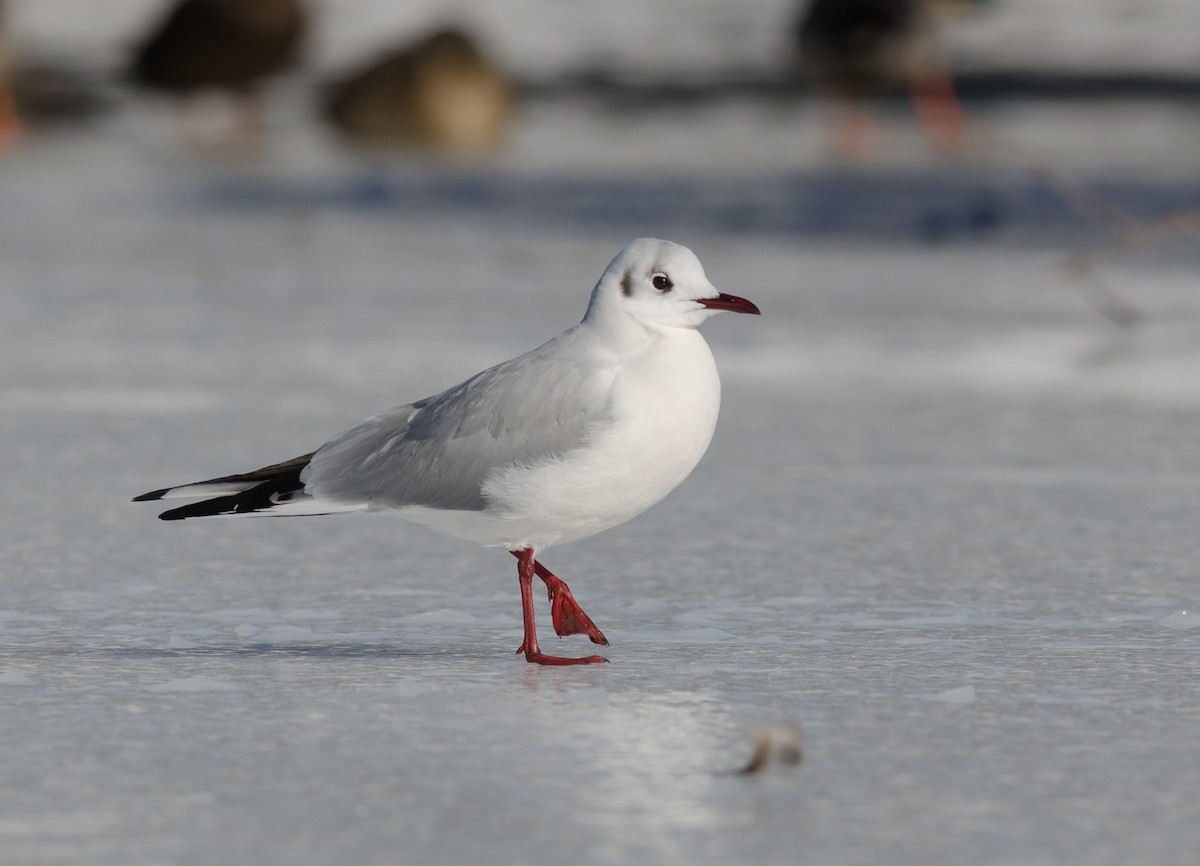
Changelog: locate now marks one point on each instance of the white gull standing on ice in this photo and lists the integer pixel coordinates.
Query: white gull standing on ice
(571, 438)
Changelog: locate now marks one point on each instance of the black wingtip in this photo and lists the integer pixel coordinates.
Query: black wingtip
(212, 507)
(152, 495)
(263, 488)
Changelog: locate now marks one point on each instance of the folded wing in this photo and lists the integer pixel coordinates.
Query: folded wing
(435, 453)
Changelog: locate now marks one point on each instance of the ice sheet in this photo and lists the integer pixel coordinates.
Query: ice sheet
(947, 526)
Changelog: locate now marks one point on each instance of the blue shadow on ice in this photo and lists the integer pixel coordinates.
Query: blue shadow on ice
(920, 206)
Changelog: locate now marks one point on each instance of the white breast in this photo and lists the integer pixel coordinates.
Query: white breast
(664, 410)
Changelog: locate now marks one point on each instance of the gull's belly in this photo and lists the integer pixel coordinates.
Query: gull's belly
(589, 491)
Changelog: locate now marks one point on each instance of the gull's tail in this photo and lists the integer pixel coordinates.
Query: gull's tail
(272, 490)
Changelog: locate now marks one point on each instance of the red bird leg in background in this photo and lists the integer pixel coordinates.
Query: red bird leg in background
(938, 110)
(10, 124)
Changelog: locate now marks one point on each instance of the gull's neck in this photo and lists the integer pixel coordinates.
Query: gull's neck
(624, 334)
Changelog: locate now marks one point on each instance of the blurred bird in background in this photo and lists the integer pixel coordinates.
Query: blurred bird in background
(440, 94)
(853, 49)
(228, 46)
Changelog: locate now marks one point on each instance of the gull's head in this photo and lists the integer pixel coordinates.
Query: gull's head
(659, 283)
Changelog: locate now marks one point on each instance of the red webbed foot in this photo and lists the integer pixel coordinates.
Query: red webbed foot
(538, 657)
(566, 614)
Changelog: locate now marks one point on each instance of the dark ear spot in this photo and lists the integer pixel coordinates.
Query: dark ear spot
(627, 284)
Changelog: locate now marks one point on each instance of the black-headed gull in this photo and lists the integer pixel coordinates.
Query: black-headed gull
(853, 49)
(569, 439)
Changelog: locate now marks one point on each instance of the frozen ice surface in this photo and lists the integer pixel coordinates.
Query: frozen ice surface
(947, 525)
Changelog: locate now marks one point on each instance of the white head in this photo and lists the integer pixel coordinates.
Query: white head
(659, 284)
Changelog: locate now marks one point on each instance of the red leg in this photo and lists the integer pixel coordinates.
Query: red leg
(10, 124)
(938, 110)
(529, 646)
(565, 613)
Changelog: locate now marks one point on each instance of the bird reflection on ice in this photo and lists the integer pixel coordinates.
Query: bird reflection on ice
(653, 762)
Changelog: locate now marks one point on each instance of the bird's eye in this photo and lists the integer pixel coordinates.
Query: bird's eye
(662, 282)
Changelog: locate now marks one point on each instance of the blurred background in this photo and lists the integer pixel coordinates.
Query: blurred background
(881, 120)
(947, 523)
(280, 157)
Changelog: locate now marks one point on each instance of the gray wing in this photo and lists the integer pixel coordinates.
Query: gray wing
(439, 451)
